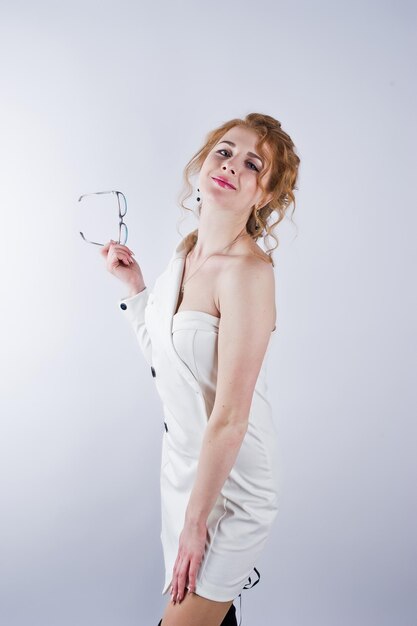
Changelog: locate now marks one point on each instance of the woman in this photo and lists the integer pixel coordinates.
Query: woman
(204, 330)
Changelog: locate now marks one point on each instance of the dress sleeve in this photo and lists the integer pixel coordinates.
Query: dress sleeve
(133, 309)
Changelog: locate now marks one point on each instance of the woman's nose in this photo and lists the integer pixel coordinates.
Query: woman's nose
(232, 169)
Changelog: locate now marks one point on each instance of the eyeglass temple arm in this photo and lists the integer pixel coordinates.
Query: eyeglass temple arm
(88, 241)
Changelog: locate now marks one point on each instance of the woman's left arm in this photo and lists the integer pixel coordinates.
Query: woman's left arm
(246, 295)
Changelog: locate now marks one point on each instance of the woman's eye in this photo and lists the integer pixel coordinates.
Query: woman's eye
(228, 153)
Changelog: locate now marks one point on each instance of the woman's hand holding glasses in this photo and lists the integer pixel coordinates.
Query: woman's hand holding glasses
(119, 258)
(120, 263)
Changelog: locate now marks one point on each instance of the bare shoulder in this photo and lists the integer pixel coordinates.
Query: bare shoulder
(246, 284)
(246, 274)
(252, 264)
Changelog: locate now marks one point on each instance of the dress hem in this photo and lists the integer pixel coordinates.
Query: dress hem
(208, 592)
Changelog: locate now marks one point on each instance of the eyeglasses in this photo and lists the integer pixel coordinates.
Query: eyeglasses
(123, 232)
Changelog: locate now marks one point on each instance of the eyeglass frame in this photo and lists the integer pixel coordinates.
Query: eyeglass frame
(121, 216)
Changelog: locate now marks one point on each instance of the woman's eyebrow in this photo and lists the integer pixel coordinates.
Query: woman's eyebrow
(251, 154)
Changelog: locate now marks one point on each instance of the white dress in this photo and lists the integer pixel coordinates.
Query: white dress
(184, 367)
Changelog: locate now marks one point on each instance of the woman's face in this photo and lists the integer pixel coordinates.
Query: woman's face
(237, 167)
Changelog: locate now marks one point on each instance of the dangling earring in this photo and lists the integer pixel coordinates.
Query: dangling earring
(198, 199)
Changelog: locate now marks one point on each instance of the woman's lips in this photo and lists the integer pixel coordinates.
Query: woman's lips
(222, 183)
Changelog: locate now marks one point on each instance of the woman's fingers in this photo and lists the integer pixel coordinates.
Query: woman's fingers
(117, 246)
(120, 262)
(105, 249)
(179, 580)
(126, 258)
(182, 577)
(176, 574)
(121, 246)
(192, 574)
(122, 253)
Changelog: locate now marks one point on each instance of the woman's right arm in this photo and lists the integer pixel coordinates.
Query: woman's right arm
(120, 263)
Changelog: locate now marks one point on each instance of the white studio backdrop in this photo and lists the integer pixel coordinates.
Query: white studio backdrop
(106, 95)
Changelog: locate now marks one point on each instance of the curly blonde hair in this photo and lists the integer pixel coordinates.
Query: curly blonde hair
(281, 162)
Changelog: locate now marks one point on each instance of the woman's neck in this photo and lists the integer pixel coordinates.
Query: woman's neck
(208, 243)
